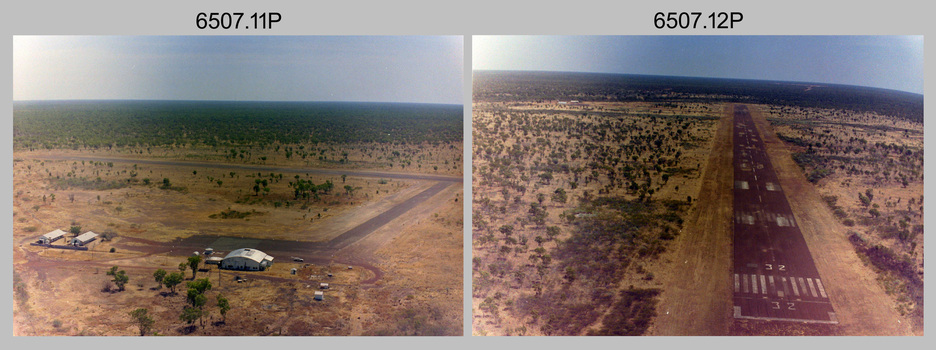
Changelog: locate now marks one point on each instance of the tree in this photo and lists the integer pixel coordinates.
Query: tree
(75, 229)
(120, 277)
(142, 320)
(193, 262)
(559, 195)
(349, 189)
(507, 230)
(190, 314)
(172, 280)
(200, 285)
(223, 307)
(196, 295)
(159, 275)
(195, 298)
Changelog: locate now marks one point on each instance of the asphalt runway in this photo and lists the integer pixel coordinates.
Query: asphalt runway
(774, 275)
(311, 251)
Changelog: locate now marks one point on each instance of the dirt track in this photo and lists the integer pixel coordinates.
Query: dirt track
(696, 298)
(321, 252)
(860, 303)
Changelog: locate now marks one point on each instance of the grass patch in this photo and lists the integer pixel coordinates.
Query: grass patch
(234, 214)
(85, 184)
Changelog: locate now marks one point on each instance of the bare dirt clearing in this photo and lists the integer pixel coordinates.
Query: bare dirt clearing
(59, 292)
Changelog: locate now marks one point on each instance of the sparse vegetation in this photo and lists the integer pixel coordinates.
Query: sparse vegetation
(569, 198)
(868, 166)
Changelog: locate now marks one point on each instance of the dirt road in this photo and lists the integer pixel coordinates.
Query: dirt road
(696, 298)
(698, 278)
(320, 252)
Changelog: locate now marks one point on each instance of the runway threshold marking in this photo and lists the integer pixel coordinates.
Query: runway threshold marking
(775, 277)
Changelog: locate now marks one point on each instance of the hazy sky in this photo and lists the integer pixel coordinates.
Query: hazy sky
(426, 69)
(891, 62)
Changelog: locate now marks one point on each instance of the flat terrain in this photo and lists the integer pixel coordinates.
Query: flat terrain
(772, 264)
(625, 205)
(574, 206)
(353, 214)
(153, 234)
(860, 303)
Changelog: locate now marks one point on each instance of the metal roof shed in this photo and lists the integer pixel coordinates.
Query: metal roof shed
(84, 238)
(52, 236)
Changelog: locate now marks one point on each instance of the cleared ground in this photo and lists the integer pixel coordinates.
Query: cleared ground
(700, 263)
(349, 234)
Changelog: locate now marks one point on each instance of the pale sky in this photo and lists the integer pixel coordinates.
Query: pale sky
(423, 69)
(890, 62)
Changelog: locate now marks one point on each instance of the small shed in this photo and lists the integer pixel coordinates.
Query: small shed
(213, 260)
(50, 237)
(83, 239)
(319, 295)
(209, 251)
(323, 285)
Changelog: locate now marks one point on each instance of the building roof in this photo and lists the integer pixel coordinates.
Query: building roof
(54, 234)
(249, 253)
(86, 236)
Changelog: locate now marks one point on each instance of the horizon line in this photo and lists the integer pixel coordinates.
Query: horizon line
(695, 77)
(196, 100)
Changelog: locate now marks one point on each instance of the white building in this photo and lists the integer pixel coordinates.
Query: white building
(247, 259)
(83, 239)
(50, 237)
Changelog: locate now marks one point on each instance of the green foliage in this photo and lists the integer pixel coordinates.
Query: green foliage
(193, 262)
(191, 314)
(234, 214)
(534, 86)
(108, 124)
(120, 277)
(142, 320)
(173, 279)
(159, 275)
(223, 306)
(85, 184)
(559, 195)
